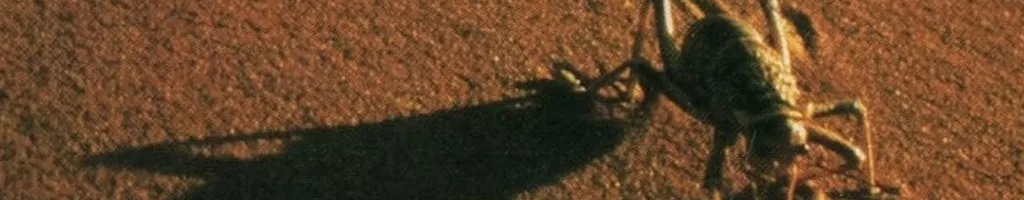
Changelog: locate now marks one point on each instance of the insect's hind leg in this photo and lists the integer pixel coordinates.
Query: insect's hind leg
(635, 61)
(777, 28)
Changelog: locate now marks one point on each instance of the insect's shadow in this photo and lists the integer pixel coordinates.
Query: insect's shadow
(490, 151)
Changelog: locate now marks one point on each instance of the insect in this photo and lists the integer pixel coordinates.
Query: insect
(727, 75)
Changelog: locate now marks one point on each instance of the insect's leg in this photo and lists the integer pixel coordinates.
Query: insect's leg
(845, 148)
(638, 60)
(845, 107)
(619, 80)
(772, 12)
(857, 108)
(714, 173)
(670, 55)
(670, 89)
(568, 73)
(616, 73)
(690, 7)
(664, 32)
(833, 141)
(854, 107)
(608, 78)
(643, 71)
(807, 189)
(794, 172)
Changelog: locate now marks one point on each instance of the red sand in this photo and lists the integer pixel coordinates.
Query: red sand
(361, 99)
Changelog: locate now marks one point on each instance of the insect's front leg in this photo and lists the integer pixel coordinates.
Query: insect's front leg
(715, 168)
(836, 143)
(854, 107)
(833, 141)
(851, 107)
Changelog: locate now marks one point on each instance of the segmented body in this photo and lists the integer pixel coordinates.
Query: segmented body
(732, 70)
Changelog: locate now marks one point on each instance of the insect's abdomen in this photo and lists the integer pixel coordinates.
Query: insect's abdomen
(727, 65)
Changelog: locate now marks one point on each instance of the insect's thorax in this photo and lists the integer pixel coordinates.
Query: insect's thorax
(731, 66)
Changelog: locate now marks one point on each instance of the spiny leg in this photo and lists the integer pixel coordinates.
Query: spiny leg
(776, 32)
(643, 69)
(647, 77)
(854, 107)
(842, 107)
(637, 56)
(670, 55)
(571, 75)
(610, 78)
(690, 7)
(715, 168)
(663, 28)
(625, 84)
(640, 65)
(794, 172)
(772, 12)
(834, 142)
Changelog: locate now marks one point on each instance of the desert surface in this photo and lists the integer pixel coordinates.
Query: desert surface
(370, 99)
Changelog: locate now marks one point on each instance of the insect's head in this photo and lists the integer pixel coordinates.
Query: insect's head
(778, 139)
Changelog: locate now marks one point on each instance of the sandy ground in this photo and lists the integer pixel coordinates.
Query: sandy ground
(363, 99)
